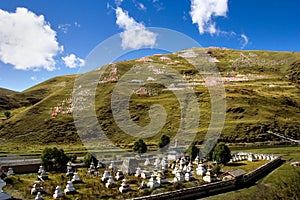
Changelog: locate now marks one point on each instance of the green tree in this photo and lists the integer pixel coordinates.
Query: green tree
(140, 146)
(7, 114)
(54, 159)
(89, 158)
(163, 142)
(192, 151)
(221, 153)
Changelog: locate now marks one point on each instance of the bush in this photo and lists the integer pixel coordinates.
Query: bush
(164, 141)
(7, 114)
(89, 158)
(221, 153)
(54, 159)
(192, 151)
(140, 146)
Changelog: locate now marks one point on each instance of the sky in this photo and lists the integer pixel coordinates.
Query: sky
(43, 39)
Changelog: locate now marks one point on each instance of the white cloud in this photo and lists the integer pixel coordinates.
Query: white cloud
(118, 2)
(158, 5)
(245, 41)
(76, 24)
(135, 34)
(33, 78)
(27, 40)
(73, 61)
(64, 27)
(142, 7)
(202, 12)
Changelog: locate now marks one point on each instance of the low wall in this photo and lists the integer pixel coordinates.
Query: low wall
(22, 167)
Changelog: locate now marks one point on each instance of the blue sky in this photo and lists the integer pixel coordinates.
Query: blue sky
(43, 39)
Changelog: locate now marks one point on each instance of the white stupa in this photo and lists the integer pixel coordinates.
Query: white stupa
(209, 176)
(41, 169)
(201, 169)
(69, 188)
(105, 176)
(178, 177)
(69, 171)
(176, 168)
(37, 187)
(153, 182)
(58, 193)
(147, 162)
(196, 161)
(92, 169)
(251, 157)
(138, 172)
(10, 172)
(161, 178)
(125, 187)
(112, 166)
(143, 185)
(76, 178)
(119, 175)
(189, 167)
(110, 182)
(38, 196)
(188, 176)
(145, 174)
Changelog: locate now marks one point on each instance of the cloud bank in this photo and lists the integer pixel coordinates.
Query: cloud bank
(203, 12)
(135, 34)
(27, 41)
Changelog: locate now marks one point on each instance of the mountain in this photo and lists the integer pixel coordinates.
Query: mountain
(262, 93)
(4, 92)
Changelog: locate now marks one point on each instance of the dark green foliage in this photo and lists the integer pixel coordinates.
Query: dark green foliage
(54, 159)
(7, 114)
(89, 158)
(164, 140)
(73, 158)
(192, 151)
(221, 153)
(140, 146)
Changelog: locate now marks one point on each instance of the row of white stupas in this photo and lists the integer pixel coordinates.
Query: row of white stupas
(240, 156)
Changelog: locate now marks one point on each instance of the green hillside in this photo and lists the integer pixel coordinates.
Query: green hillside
(262, 93)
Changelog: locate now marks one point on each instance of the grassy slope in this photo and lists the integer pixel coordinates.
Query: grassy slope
(253, 107)
(6, 101)
(4, 92)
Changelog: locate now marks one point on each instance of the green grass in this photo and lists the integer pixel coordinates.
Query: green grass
(264, 107)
